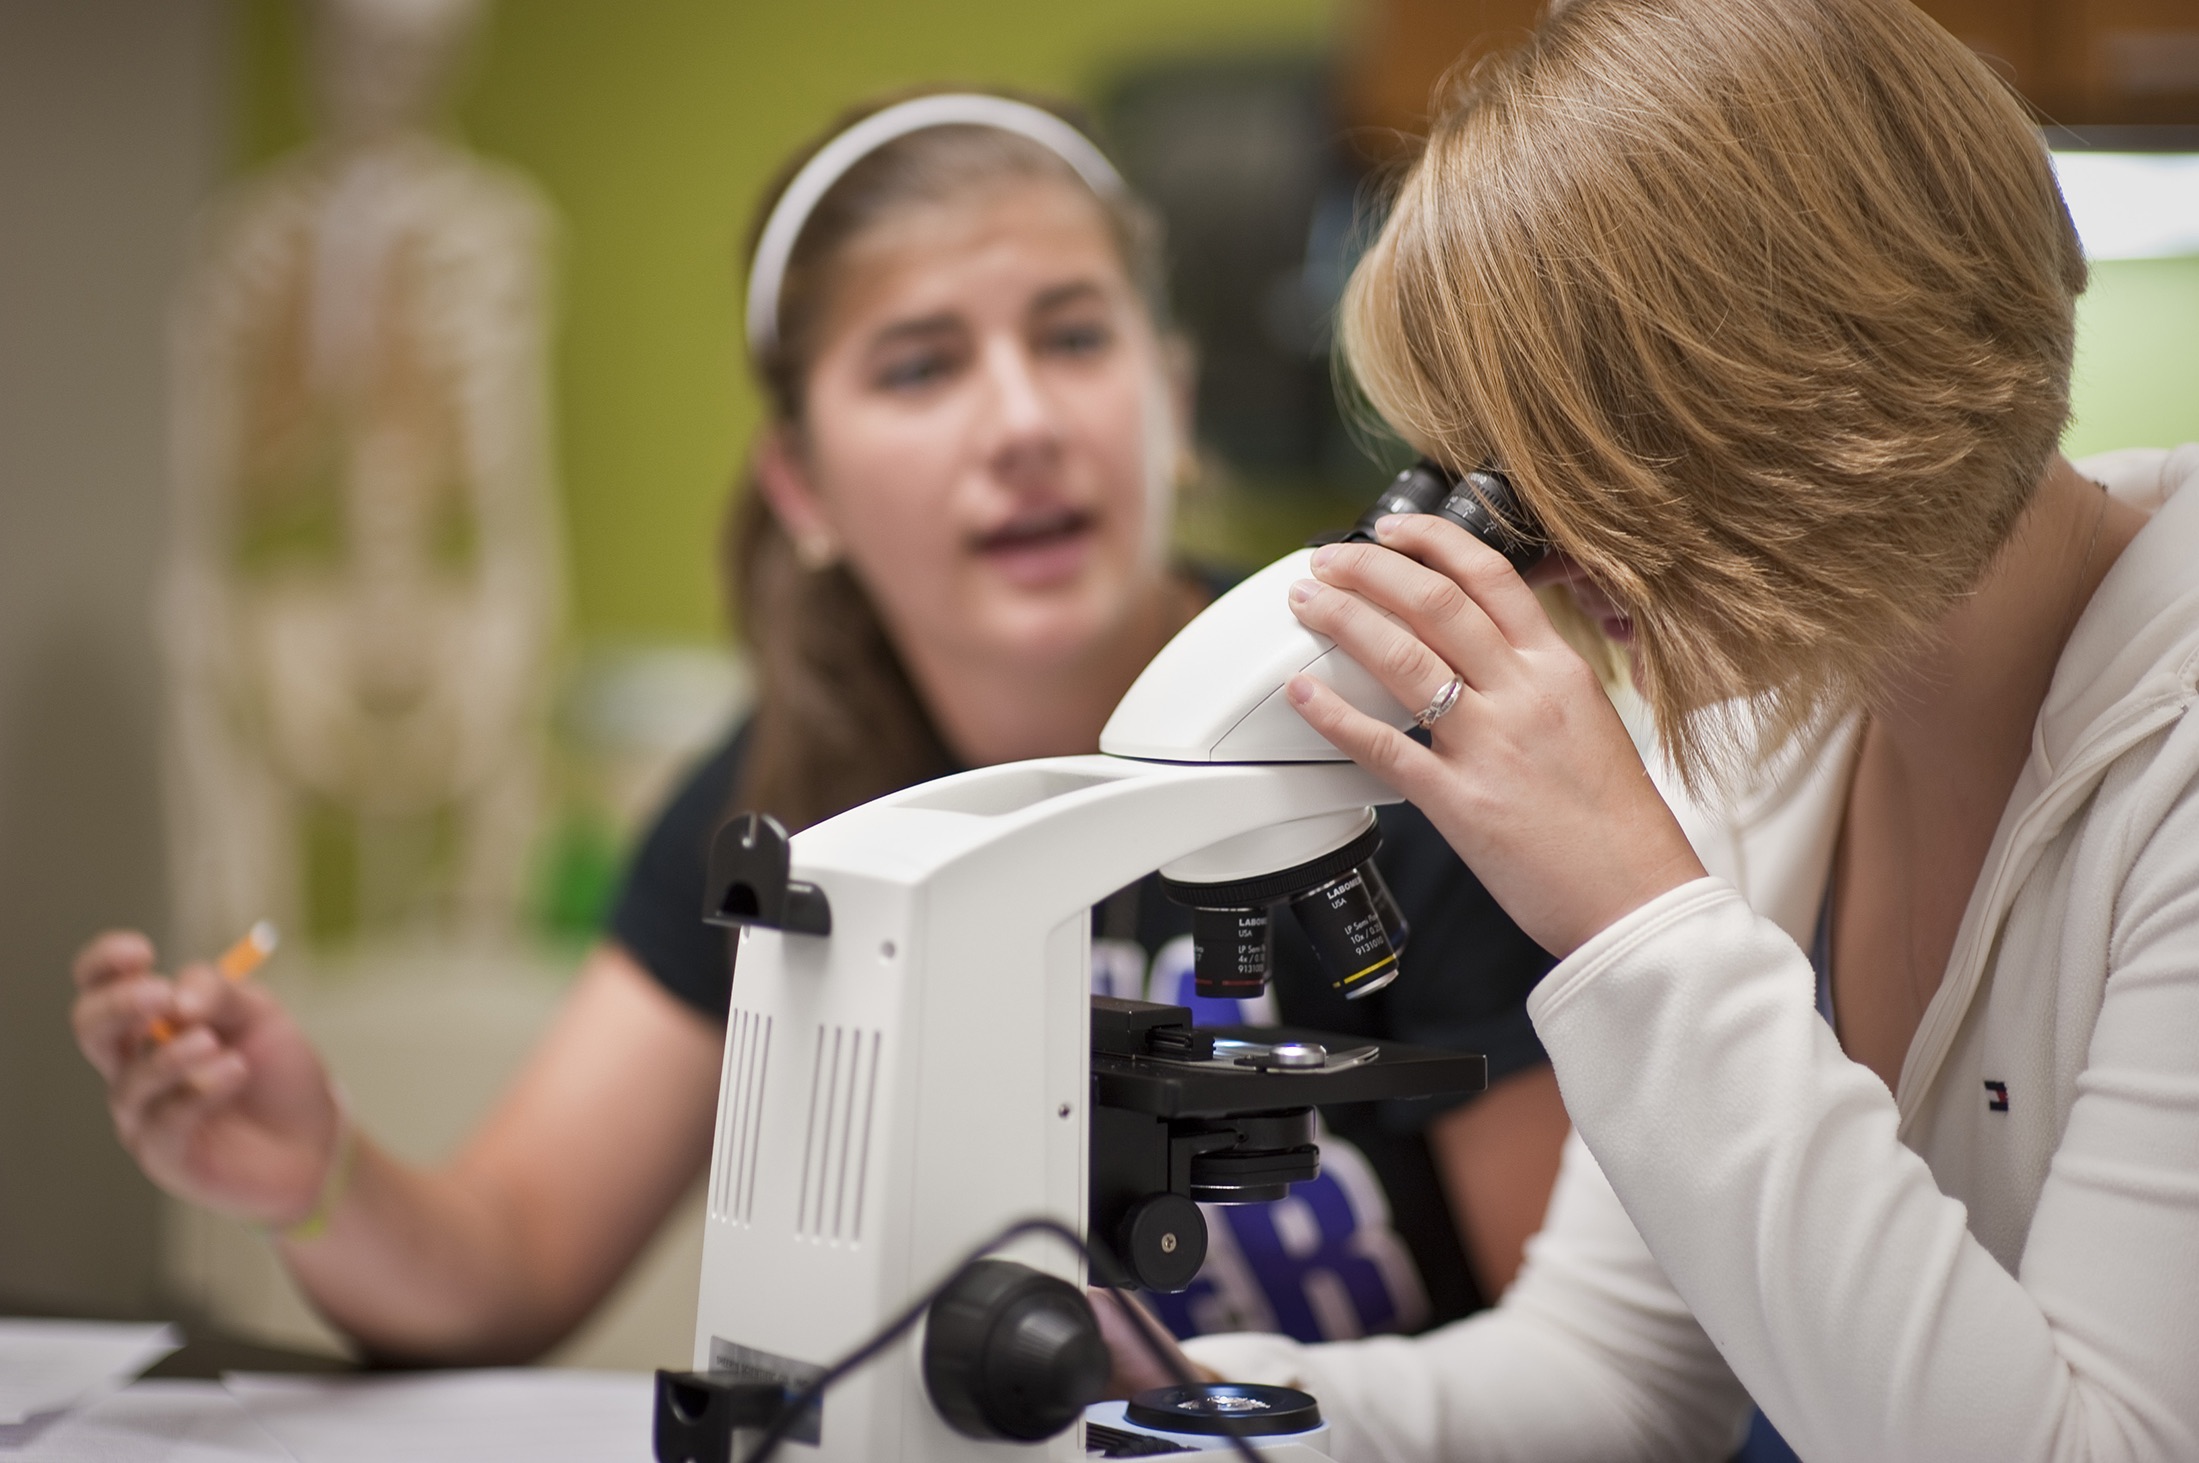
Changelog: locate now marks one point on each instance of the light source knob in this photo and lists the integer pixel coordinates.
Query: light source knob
(1012, 1352)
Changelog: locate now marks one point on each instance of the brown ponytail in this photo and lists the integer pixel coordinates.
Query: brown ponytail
(837, 720)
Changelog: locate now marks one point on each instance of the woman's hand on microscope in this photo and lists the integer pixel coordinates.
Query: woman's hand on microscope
(1136, 1369)
(1531, 776)
(214, 1089)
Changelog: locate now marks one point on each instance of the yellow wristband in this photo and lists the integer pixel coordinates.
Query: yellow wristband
(333, 1186)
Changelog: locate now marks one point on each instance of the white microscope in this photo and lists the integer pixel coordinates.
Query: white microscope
(915, 1060)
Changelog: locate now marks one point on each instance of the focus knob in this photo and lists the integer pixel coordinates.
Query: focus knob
(1011, 1352)
(1163, 1242)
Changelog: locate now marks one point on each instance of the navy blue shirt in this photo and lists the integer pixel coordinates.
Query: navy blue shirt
(1369, 1246)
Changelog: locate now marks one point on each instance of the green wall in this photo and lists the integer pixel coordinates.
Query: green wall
(654, 125)
(2137, 356)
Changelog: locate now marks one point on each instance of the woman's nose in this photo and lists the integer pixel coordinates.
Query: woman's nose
(1024, 426)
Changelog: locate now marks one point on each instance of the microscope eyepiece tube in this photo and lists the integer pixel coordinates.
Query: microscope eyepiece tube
(1420, 488)
(1482, 502)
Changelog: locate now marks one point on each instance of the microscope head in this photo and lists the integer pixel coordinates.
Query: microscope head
(1216, 693)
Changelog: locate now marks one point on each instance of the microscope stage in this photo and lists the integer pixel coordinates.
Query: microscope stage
(1171, 1089)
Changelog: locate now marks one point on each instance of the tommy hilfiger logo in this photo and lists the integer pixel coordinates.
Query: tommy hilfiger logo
(1996, 1097)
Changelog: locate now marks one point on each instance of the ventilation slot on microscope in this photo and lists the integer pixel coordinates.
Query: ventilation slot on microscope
(843, 1088)
(740, 1111)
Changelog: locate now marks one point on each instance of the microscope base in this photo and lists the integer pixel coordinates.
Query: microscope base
(1310, 1446)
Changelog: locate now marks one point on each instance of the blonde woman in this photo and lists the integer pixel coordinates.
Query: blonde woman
(1766, 308)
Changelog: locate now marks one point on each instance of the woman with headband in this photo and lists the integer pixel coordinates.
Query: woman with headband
(952, 553)
(1879, 1009)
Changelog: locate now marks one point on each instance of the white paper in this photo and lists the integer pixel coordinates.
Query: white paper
(46, 1366)
(150, 1422)
(522, 1415)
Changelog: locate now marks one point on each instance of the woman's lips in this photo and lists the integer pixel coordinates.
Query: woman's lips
(1039, 549)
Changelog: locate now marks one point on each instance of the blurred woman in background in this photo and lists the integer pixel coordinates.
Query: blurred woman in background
(953, 553)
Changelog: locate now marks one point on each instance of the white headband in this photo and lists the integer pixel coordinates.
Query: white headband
(833, 160)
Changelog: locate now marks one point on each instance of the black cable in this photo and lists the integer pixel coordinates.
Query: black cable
(1099, 1265)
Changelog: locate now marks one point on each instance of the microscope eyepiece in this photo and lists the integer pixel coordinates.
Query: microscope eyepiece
(1482, 502)
(1420, 488)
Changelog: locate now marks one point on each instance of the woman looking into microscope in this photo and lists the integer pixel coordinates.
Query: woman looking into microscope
(952, 553)
(1766, 308)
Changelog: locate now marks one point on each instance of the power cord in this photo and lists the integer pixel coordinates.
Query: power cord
(1101, 1267)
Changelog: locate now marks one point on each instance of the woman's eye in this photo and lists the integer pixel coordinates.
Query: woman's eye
(1085, 339)
(913, 373)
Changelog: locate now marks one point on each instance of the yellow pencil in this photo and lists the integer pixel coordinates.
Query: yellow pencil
(235, 964)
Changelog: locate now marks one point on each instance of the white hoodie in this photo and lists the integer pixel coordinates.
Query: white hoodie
(1999, 1263)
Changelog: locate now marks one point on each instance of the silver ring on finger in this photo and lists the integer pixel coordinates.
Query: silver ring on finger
(1440, 705)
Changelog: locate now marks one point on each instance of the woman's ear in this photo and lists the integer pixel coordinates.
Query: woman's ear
(1179, 395)
(1180, 363)
(785, 482)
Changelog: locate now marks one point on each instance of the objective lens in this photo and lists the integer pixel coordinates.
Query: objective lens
(1230, 951)
(1344, 918)
(1346, 909)
(1394, 923)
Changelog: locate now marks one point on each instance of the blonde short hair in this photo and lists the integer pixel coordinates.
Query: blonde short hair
(1766, 306)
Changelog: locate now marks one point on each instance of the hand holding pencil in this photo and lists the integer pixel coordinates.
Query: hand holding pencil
(233, 964)
(213, 1087)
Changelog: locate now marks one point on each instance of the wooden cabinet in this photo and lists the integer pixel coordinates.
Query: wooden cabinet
(2081, 62)
(2089, 62)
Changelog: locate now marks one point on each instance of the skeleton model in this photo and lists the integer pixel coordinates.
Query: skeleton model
(364, 585)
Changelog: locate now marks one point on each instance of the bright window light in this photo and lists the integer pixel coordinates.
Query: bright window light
(2132, 205)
